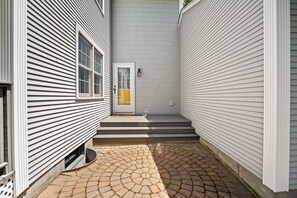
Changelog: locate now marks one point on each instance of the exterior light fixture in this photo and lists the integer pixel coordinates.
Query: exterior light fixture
(139, 71)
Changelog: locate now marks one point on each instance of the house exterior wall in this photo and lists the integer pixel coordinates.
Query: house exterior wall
(293, 138)
(221, 77)
(5, 41)
(146, 32)
(57, 122)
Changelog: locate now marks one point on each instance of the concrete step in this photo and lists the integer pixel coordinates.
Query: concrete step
(141, 129)
(143, 124)
(145, 121)
(141, 138)
(146, 130)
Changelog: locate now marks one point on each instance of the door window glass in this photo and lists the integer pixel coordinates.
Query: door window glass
(124, 97)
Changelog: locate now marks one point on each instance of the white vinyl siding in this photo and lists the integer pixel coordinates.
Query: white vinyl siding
(145, 32)
(58, 123)
(293, 139)
(5, 41)
(221, 74)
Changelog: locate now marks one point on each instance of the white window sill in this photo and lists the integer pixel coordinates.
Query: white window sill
(90, 98)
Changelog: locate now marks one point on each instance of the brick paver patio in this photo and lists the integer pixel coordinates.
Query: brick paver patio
(153, 170)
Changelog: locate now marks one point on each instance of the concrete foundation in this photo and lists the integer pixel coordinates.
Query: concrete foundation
(40, 184)
(254, 183)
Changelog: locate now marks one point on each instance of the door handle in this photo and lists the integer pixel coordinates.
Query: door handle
(114, 89)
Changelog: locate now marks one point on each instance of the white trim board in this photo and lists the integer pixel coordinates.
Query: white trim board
(185, 9)
(19, 96)
(276, 145)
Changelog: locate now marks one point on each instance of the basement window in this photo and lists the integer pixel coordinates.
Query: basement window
(74, 157)
(90, 70)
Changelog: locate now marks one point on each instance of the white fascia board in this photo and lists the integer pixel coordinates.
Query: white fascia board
(276, 144)
(185, 9)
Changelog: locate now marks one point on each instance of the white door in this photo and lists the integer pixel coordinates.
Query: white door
(124, 88)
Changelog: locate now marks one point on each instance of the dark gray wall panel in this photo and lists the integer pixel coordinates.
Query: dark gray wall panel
(145, 32)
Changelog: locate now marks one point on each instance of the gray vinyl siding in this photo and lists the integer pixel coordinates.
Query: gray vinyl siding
(57, 122)
(221, 74)
(5, 38)
(145, 32)
(293, 139)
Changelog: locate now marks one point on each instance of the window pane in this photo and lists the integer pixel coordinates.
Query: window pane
(98, 62)
(124, 96)
(81, 87)
(84, 52)
(124, 78)
(98, 84)
(84, 80)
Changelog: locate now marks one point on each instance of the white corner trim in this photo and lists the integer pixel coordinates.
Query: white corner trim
(180, 5)
(19, 96)
(185, 9)
(101, 8)
(276, 148)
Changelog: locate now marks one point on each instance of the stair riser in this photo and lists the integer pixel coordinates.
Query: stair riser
(152, 131)
(135, 124)
(108, 141)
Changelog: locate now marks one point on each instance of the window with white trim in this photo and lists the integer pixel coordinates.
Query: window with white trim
(90, 69)
(84, 60)
(98, 61)
(100, 4)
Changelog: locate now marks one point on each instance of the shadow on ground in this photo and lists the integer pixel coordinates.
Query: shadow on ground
(189, 170)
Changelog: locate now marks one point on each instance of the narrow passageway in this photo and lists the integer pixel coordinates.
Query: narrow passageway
(173, 169)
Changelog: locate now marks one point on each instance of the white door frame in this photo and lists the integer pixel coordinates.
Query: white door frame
(123, 109)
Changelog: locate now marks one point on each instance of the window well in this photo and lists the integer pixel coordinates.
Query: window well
(74, 157)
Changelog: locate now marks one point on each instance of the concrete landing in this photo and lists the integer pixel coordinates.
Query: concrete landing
(150, 120)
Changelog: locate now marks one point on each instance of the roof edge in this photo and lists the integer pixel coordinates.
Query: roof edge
(185, 9)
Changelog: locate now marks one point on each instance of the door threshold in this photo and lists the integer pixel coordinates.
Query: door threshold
(122, 115)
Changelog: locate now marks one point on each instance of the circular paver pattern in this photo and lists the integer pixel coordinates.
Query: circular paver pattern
(135, 171)
(154, 170)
